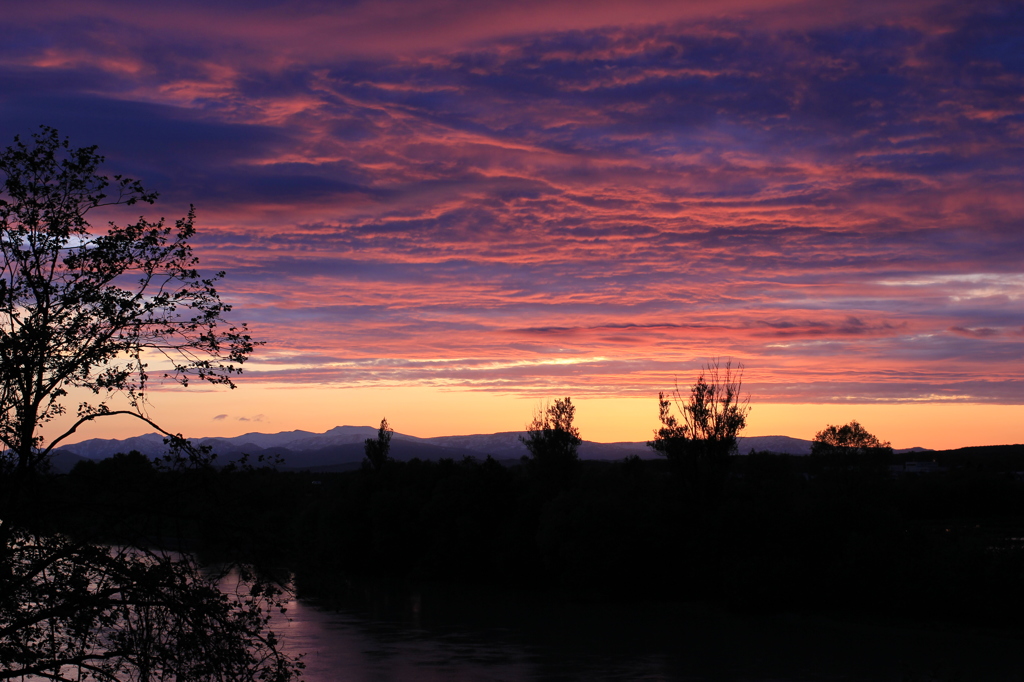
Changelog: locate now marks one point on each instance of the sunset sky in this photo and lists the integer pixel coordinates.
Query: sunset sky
(446, 212)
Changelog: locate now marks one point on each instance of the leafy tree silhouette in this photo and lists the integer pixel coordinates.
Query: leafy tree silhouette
(851, 445)
(88, 309)
(851, 439)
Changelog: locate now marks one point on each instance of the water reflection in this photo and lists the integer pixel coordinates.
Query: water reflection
(340, 646)
(437, 634)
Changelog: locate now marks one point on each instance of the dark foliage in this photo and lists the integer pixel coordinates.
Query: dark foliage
(699, 442)
(553, 442)
(378, 450)
(89, 309)
(850, 446)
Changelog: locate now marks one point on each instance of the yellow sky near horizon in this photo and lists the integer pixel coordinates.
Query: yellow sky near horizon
(427, 412)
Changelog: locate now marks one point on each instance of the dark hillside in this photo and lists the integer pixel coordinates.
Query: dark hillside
(995, 457)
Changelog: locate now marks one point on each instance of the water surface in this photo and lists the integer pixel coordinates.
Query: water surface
(435, 633)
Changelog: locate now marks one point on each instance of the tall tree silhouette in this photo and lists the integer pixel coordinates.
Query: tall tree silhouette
(553, 440)
(94, 309)
(699, 441)
(378, 450)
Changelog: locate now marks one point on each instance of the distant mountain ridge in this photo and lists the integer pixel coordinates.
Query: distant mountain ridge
(342, 447)
(502, 445)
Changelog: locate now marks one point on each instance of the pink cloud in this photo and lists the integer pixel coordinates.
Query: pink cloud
(461, 194)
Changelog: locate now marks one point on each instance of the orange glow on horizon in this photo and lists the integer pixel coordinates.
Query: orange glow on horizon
(426, 412)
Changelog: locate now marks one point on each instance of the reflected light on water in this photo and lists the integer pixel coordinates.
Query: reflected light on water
(337, 646)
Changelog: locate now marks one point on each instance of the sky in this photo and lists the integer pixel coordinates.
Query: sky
(448, 212)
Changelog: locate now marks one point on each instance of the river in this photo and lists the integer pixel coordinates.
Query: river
(435, 633)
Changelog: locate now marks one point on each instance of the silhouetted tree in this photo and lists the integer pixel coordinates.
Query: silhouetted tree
(700, 440)
(851, 438)
(81, 308)
(378, 449)
(553, 441)
(71, 610)
(850, 445)
(93, 310)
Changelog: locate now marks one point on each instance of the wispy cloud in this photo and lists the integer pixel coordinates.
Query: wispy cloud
(594, 201)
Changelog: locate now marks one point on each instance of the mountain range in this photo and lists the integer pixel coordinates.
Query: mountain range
(341, 448)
